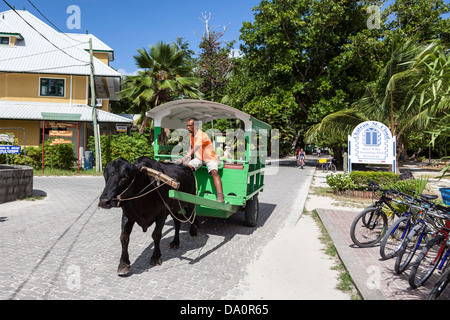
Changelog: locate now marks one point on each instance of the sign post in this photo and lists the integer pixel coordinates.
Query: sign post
(371, 142)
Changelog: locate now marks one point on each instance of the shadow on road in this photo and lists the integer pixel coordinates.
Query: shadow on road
(194, 249)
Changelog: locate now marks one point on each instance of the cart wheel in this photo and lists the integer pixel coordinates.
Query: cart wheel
(251, 212)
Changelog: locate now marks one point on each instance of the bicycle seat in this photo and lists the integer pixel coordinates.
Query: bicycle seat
(445, 209)
(428, 196)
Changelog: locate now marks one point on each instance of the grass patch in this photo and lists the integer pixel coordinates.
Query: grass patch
(345, 283)
(342, 201)
(61, 172)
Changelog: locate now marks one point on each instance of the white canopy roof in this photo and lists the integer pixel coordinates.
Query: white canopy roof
(174, 114)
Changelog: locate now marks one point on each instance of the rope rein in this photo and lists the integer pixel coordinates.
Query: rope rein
(190, 219)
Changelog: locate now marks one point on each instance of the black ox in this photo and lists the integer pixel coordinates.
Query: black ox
(124, 180)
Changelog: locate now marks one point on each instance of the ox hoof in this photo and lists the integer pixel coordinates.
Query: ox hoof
(155, 261)
(123, 271)
(174, 245)
(193, 232)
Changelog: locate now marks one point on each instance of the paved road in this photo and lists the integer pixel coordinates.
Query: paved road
(65, 247)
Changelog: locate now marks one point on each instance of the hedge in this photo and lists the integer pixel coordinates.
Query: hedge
(127, 147)
(59, 156)
(358, 180)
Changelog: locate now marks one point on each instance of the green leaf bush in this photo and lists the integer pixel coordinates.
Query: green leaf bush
(127, 147)
(59, 156)
(358, 180)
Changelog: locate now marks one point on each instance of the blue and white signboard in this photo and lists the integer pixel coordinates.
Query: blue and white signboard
(5, 149)
(371, 142)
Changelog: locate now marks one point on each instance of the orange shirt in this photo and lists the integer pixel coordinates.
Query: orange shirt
(205, 151)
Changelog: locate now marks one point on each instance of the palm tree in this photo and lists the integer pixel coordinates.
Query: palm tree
(164, 76)
(396, 98)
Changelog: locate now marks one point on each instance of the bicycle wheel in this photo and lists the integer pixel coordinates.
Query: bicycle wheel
(426, 262)
(325, 167)
(438, 290)
(368, 227)
(333, 167)
(408, 248)
(392, 240)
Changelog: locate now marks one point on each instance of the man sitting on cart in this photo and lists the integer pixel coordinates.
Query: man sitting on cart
(201, 152)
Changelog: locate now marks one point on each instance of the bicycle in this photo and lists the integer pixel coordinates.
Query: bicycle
(438, 289)
(301, 162)
(397, 232)
(327, 165)
(435, 253)
(369, 226)
(423, 228)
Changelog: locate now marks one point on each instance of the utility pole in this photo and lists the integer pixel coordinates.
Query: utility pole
(98, 158)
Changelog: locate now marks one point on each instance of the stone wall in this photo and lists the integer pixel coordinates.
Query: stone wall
(15, 182)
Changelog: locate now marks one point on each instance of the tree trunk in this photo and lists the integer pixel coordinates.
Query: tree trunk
(337, 152)
(144, 124)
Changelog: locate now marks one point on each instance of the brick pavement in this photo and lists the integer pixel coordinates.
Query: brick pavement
(375, 278)
(64, 247)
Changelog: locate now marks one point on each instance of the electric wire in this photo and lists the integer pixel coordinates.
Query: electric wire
(29, 24)
(36, 54)
(54, 24)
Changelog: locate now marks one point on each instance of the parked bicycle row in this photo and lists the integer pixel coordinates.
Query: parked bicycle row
(411, 229)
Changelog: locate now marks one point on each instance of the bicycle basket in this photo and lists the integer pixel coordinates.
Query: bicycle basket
(322, 160)
(445, 193)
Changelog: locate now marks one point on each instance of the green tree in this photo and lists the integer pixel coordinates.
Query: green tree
(214, 62)
(304, 59)
(165, 76)
(422, 18)
(398, 98)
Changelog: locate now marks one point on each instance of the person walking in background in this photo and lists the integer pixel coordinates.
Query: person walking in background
(302, 157)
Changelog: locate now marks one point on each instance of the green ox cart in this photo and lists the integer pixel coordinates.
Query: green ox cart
(242, 174)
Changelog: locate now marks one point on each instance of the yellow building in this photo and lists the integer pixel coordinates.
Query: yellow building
(45, 83)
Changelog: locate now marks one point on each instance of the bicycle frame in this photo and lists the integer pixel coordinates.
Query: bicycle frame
(384, 200)
(405, 232)
(444, 245)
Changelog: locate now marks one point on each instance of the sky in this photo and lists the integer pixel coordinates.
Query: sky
(126, 26)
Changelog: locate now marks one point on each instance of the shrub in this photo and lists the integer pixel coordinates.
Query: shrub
(410, 187)
(360, 178)
(127, 147)
(58, 156)
(340, 182)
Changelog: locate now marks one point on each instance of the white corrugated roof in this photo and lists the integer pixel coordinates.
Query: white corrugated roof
(97, 44)
(6, 28)
(34, 54)
(16, 110)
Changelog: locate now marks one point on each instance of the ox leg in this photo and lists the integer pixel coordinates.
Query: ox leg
(156, 235)
(124, 264)
(175, 244)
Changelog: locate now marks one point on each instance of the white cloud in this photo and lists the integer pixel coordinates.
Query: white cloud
(124, 72)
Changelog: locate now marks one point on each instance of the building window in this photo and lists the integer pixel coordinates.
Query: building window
(4, 40)
(52, 87)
